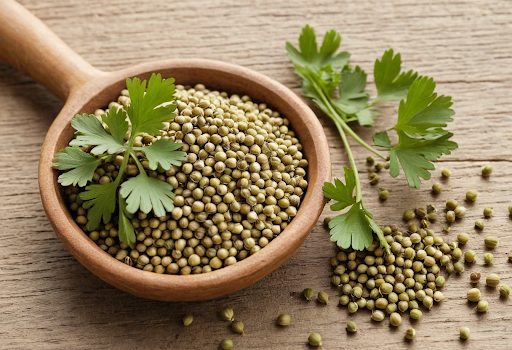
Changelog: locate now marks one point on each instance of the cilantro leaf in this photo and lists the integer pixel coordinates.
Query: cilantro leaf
(310, 57)
(147, 193)
(145, 111)
(390, 83)
(90, 132)
(163, 152)
(100, 200)
(355, 227)
(81, 166)
(117, 124)
(126, 231)
(352, 96)
(421, 137)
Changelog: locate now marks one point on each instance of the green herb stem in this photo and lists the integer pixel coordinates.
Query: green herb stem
(139, 164)
(339, 126)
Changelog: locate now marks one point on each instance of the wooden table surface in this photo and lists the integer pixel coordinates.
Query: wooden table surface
(49, 301)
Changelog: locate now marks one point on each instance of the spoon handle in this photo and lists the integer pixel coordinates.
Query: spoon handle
(30, 46)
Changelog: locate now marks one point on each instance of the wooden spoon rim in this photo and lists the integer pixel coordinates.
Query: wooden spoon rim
(187, 287)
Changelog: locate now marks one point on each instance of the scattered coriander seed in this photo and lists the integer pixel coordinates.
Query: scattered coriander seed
(383, 194)
(451, 204)
(315, 339)
(323, 297)
(370, 160)
(446, 172)
(504, 290)
(428, 302)
(458, 267)
(492, 280)
(238, 327)
(450, 268)
(327, 220)
(470, 256)
(437, 188)
(450, 216)
(226, 344)
(377, 315)
(486, 170)
(471, 195)
(464, 333)
(457, 253)
(482, 306)
(410, 334)
(351, 327)
(352, 307)
(284, 320)
(416, 314)
(438, 296)
(374, 179)
(460, 212)
(479, 224)
(440, 281)
(491, 242)
(395, 319)
(474, 277)
(187, 320)
(409, 215)
(227, 314)
(488, 258)
(488, 212)
(378, 167)
(463, 238)
(446, 228)
(473, 295)
(308, 293)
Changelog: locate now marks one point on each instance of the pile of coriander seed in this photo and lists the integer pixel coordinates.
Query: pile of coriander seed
(240, 186)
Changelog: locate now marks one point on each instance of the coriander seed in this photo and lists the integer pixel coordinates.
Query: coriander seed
(488, 258)
(370, 161)
(446, 172)
(352, 307)
(463, 238)
(473, 295)
(470, 256)
(284, 320)
(437, 188)
(238, 327)
(395, 319)
(351, 327)
(471, 195)
(451, 204)
(504, 291)
(308, 293)
(464, 333)
(187, 320)
(315, 339)
(460, 212)
(450, 216)
(458, 267)
(491, 242)
(486, 170)
(492, 280)
(377, 316)
(482, 306)
(383, 194)
(416, 314)
(227, 314)
(474, 277)
(226, 344)
(479, 224)
(488, 212)
(323, 297)
(409, 215)
(410, 334)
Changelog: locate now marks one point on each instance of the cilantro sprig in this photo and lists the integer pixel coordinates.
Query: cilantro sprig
(148, 110)
(338, 89)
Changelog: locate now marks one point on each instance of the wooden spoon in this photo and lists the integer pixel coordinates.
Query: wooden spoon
(27, 44)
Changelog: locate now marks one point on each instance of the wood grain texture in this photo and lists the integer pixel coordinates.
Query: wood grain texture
(49, 301)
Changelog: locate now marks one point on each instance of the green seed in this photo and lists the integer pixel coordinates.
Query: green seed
(438, 296)
(463, 238)
(357, 292)
(488, 212)
(488, 258)
(378, 315)
(471, 195)
(450, 269)
(308, 293)
(492, 280)
(486, 170)
(409, 215)
(383, 194)
(457, 253)
(323, 297)
(351, 327)
(440, 280)
(315, 339)
(428, 302)
(437, 188)
(473, 295)
(458, 267)
(226, 344)
(470, 256)
(344, 300)
(450, 216)
(446, 172)
(227, 314)
(460, 212)
(504, 290)
(352, 307)
(464, 333)
(416, 314)
(374, 179)
(482, 306)
(479, 224)
(474, 277)
(238, 327)
(451, 204)
(378, 167)
(370, 160)
(187, 320)
(395, 319)
(284, 320)
(410, 334)
(491, 242)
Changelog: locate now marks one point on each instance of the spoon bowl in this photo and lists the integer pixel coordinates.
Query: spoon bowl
(33, 48)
